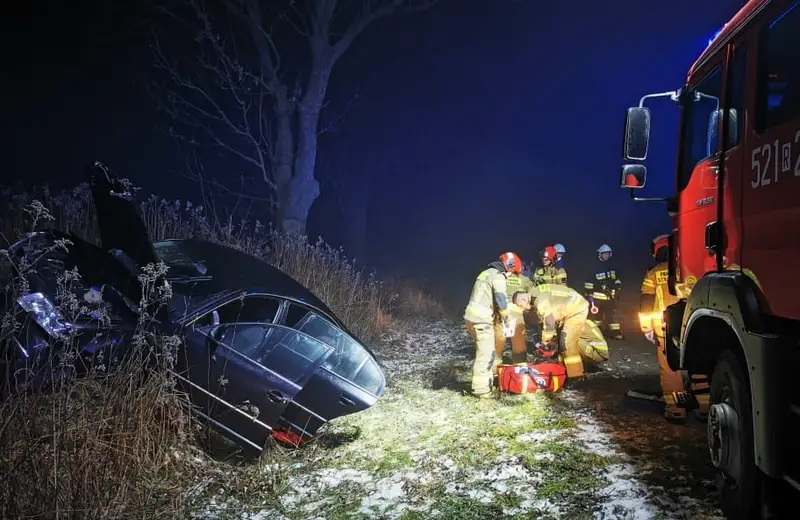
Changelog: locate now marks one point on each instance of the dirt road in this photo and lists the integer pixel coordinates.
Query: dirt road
(671, 459)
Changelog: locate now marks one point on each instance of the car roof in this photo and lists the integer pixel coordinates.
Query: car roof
(224, 270)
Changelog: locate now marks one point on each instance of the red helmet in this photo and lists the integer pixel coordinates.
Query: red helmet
(659, 242)
(549, 252)
(512, 262)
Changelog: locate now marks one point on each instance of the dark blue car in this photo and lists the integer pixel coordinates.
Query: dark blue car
(262, 356)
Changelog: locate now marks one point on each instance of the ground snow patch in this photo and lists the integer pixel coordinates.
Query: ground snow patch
(625, 496)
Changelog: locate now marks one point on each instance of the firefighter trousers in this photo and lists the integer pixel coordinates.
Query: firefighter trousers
(572, 329)
(484, 336)
(592, 344)
(672, 381)
(519, 348)
(609, 315)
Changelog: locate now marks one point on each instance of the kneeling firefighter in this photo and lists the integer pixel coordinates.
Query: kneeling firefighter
(560, 307)
(653, 300)
(487, 317)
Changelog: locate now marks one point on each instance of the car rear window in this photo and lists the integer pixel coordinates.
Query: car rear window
(347, 355)
(370, 378)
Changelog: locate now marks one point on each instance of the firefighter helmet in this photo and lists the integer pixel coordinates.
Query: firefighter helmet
(560, 249)
(548, 253)
(512, 262)
(657, 243)
(605, 248)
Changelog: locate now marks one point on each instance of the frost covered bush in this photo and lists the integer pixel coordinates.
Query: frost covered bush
(102, 446)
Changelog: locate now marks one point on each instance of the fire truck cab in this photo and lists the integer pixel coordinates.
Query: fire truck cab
(735, 246)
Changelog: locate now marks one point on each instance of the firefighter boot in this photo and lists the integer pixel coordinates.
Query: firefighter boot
(675, 409)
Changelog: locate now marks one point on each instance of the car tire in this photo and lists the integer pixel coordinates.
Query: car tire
(739, 481)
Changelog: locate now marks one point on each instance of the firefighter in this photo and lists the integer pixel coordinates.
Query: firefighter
(487, 316)
(592, 344)
(604, 289)
(654, 298)
(560, 252)
(559, 307)
(548, 272)
(519, 348)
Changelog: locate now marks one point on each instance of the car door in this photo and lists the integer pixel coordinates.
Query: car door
(348, 381)
(122, 229)
(257, 370)
(198, 369)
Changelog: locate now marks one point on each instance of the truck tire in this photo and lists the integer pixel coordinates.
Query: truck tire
(730, 440)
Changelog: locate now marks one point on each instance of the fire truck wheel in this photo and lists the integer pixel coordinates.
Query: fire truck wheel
(730, 440)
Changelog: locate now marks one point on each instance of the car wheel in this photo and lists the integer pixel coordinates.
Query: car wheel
(730, 440)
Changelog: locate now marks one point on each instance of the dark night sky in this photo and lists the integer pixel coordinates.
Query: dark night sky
(484, 125)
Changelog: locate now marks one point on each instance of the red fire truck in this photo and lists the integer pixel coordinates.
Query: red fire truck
(735, 247)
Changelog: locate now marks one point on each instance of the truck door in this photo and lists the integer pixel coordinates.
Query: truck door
(697, 173)
(703, 152)
(771, 183)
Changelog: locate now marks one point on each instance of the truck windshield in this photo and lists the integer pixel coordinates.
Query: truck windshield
(698, 133)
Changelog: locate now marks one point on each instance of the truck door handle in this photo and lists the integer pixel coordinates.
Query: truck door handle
(713, 234)
(276, 397)
(346, 401)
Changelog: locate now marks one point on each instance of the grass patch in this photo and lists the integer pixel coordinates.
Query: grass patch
(517, 452)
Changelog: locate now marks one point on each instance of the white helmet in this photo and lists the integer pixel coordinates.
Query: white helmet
(605, 248)
(560, 249)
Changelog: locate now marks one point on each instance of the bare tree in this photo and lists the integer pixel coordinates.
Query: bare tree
(244, 89)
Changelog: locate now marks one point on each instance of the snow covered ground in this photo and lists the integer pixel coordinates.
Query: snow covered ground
(426, 450)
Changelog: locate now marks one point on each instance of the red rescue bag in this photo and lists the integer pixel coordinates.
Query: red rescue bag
(531, 377)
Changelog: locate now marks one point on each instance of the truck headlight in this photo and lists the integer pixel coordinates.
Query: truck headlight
(45, 314)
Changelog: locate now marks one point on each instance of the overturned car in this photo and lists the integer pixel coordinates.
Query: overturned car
(260, 354)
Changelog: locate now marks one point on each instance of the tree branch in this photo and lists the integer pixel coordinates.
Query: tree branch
(221, 99)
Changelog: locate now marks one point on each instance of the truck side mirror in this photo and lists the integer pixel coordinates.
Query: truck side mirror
(633, 176)
(637, 134)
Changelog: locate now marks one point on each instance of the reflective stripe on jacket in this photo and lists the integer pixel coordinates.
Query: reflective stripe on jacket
(550, 275)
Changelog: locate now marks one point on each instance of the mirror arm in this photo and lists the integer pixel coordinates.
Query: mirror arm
(673, 95)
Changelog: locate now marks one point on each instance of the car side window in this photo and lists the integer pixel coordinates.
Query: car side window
(286, 352)
(347, 355)
(294, 314)
(258, 309)
(370, 377)
(290, 353)
(245, 338)
(778, 73)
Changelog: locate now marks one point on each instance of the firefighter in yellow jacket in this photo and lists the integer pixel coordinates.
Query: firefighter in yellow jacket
(549, 272)
(654, 298)
(558, 306)
(519, 349)
(487, 316)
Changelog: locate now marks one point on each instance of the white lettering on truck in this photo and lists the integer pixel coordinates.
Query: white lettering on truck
(770, 160)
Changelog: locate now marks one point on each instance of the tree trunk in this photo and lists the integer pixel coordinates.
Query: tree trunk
(283, 155)
(303, 189)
